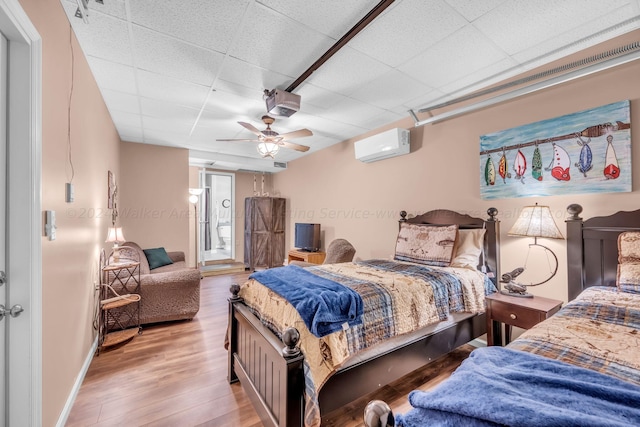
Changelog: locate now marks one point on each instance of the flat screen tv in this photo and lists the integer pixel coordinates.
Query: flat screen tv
(307, 237)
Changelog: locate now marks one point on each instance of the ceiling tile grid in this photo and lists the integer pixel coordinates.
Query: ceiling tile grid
(184, 73)
(162, 54)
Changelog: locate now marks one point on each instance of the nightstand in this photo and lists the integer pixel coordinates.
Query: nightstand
(516, 311)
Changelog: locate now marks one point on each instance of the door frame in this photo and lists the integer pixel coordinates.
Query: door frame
(24, 246)
(203, 184)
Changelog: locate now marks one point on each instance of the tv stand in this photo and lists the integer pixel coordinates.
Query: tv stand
(311, 257)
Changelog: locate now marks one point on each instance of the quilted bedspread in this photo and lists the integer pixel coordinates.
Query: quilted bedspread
(599, 330)
(398, 298)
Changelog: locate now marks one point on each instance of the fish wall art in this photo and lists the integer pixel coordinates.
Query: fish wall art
(584, 152)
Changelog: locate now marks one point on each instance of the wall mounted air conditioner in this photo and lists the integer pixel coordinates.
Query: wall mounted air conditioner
(390, 143)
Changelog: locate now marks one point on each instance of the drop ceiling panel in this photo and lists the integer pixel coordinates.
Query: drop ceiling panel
(269, 40)
(168, 56)
(168, 111)
(124, 119)
(111, 75)
(317, 96)
(212, 26)
(228, 105)
(472, 10)
(347, 70)
(322, 16)
(249, 75)
(106, 37)
(156, 86)
(383, 118)
(458, 55)
(180, 129)
(566, 43)
(408, 28)
(390, 90)
(519, 25)
(119, 101)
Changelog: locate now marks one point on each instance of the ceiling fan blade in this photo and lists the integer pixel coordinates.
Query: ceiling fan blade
(297, 147)
(242, 139)
(296, 134)
(251, 128)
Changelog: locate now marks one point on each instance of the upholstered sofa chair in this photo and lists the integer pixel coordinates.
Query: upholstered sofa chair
(339, 250)
(170, 292)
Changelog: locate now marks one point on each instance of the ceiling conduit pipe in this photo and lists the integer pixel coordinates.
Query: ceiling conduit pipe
(373, 14)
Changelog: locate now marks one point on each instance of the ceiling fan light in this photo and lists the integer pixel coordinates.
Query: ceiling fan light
(268, 149)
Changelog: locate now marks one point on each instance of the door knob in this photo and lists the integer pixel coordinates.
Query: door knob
(13, 312)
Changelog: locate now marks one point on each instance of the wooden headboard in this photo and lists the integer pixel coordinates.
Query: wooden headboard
(491, 239)
(592, 247)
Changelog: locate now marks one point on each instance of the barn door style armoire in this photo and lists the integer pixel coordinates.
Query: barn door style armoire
(264, 222)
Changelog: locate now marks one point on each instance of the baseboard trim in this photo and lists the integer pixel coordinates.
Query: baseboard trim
(478, 342)
(76, 386)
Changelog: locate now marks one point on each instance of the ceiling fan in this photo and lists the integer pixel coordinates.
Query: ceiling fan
(270, 141)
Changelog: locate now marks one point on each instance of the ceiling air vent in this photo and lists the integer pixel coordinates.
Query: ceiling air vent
(282, 165)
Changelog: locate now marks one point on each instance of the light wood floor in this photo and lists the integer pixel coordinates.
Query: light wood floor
(174, 374)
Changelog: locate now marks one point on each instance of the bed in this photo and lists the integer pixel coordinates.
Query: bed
(271, 367)
(579, 367)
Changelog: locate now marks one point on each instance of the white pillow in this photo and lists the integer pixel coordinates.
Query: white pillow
(466, 253)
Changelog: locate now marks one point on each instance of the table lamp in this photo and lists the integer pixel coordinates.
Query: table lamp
(115, 236)
(534, 221)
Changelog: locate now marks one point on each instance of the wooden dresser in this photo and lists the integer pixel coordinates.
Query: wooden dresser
(264, 224)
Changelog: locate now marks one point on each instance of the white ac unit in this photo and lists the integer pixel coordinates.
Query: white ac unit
(390, 143)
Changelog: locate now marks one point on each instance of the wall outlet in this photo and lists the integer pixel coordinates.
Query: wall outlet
(68, 192)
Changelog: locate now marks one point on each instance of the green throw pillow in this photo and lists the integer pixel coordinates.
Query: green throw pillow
(157, 257)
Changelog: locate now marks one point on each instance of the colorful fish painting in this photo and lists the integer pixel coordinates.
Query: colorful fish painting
(560, 164)
(520, 166)
(489, 172)
(536, 165)
(503, 168)
(611, 168)
(584, 165)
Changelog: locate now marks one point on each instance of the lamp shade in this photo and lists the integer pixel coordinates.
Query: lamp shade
(114, 235)
(268, 149)
(196, 191)
(536, 221)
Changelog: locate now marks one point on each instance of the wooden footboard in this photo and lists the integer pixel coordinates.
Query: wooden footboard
(270, 372)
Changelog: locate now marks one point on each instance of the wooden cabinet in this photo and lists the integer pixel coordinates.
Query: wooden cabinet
(310, 257)
(516, 311)
(264, 224)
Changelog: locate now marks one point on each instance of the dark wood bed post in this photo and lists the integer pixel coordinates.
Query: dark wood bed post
(492, 247)
(232, 332)
(575, 253)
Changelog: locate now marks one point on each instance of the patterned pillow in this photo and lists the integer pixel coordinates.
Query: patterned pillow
(426, 244)
(628, 279)
(629, 247)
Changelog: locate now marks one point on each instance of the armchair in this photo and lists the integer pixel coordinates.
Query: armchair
(170, 292)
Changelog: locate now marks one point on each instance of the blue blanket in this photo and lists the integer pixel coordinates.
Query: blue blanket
(323, 304)
(500, 386)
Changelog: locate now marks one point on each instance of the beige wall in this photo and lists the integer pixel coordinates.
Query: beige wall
(70, 263)
(360, 202)
(154, 208)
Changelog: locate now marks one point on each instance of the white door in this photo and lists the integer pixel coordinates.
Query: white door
(20, 216)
